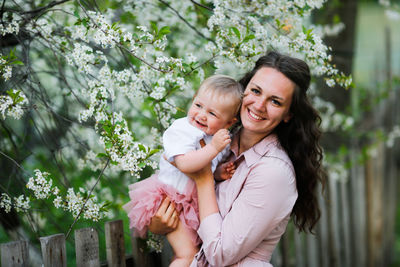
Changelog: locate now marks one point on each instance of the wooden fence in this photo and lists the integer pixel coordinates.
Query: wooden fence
(86, 249)
(356, 229)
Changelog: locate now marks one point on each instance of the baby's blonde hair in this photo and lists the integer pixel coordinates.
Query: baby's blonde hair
(223, 86)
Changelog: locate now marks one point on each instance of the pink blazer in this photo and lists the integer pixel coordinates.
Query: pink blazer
(254, 208)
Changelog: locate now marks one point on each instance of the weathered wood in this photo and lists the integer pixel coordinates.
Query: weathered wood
(345, 232)
(115, 245)
(87, 247)
(359, 210)
(138, 251)
(374, 182)
(299, 248)
(334, 224)
(53, 250)
(322, 235)
(15, 254)
(312, 251)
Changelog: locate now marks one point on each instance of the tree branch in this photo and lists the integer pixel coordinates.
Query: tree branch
(86, 200)
(185, 21)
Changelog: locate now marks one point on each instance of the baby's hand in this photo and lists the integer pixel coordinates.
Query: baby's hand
(227, 170)
(221, 139)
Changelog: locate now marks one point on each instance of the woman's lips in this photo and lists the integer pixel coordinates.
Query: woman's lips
(254, 116)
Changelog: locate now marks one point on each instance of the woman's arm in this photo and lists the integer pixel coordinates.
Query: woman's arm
(204, 180)
(264, 202)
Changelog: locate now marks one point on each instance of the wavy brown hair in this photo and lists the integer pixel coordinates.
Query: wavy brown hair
(299, 137)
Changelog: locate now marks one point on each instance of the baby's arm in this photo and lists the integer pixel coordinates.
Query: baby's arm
(195, 160)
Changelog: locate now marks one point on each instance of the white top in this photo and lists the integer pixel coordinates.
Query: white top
(180, 138)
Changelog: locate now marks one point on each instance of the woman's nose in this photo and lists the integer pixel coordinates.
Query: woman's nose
(260, 104)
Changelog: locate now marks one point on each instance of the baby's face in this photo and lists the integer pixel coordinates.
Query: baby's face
(210, 113)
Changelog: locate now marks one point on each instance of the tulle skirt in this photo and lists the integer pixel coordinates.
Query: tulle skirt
(146, 197)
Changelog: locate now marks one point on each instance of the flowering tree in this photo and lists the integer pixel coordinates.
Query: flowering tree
(87, 87)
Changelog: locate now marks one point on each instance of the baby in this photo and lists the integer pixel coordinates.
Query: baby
(212, 112)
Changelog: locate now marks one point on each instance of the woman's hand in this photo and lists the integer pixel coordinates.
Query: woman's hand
(202, 176)
(166, 218)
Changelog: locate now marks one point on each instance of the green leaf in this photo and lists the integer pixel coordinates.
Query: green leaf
(108, 145)
(152, 152)
(142, 164)
(164, 30)
(127, 17)
(84, 22)
(17, 62)
(142, 148)
(154, 27)
(76, 14)
(236, 32)
(102, 155)
(248, 38)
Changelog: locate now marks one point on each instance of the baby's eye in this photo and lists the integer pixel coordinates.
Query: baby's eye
(213, 114)
(255, 91)
(197, 105)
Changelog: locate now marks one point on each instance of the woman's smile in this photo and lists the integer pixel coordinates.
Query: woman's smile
(252, 115)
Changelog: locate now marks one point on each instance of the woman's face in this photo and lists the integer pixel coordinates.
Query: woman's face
(266, 101)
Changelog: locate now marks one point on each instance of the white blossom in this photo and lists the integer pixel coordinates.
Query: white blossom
(5, 202)
(13, 107)
(21, 203)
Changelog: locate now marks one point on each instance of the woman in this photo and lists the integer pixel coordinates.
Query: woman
(278, 162)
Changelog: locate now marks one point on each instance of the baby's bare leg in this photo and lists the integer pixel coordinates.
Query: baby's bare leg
(183, 246)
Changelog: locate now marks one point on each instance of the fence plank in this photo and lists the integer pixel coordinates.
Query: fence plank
(312, 251)
(87, 247)
(345, 232)
(359, 211)
(53, 250)
(322, 234)
(299, 248)
(115, 245)
(15, 254)
(374, 182)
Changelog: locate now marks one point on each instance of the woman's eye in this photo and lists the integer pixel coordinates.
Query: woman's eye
(255, 91)
(276, 102)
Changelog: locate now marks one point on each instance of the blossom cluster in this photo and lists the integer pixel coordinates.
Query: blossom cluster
(332, 120)
(75, 202)
(5, 69)
(12, 27)
(154, 242)
(244, 31)
(12, 104)
(20, 204)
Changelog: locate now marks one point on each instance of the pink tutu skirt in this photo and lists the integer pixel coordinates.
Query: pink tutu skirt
(146, 197)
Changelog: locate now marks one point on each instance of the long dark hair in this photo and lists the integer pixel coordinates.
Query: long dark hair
(299, 136)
